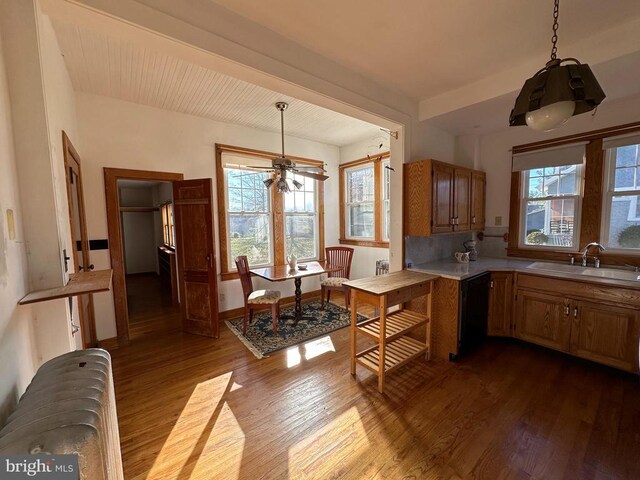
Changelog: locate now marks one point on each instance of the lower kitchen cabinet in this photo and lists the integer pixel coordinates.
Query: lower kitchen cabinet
(500, 304)
(605, 334)
(543, 319)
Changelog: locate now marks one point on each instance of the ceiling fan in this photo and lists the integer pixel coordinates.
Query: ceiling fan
(282, 165)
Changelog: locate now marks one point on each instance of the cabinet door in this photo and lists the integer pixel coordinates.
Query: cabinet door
(543, 319)
(462, 200)
(442, 206)
(417, 198)
(605, 334)
(500, 304)
(478, 186)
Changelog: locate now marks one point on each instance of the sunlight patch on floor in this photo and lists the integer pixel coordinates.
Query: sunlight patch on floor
(309, 350)
(339, 438)
(203, 420)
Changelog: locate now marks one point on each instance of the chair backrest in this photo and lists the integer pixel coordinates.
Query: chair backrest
(242, 263)
(340, 257)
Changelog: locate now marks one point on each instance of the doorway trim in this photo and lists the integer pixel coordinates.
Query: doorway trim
(114, 227)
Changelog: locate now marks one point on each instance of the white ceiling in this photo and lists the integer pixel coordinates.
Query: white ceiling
(106, 65)
(426, 48)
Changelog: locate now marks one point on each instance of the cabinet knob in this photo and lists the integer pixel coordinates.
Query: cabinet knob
(566, 310)
(491, 284)
(575, 312)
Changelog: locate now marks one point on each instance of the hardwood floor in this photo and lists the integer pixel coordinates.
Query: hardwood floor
(194, 407)
(150, 308)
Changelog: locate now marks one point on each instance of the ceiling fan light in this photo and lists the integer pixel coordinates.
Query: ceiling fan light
(297, 184)
(268, 182)
(282, 186)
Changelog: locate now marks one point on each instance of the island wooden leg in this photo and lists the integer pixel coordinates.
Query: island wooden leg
(383, 343)
(354, 323)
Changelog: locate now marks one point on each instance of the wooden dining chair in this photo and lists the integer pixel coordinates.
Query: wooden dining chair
(258, 299)
(337, 257)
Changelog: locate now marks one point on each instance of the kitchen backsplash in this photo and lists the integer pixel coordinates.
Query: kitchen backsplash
(438, 247)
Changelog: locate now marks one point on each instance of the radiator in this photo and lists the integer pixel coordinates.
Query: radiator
(69, 408)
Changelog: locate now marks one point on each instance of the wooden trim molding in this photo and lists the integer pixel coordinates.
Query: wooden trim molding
(109, 343)
(277, 201)
(378, 209)
(116, 253)
(592, 201)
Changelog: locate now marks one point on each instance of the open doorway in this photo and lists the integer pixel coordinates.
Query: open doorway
(148, 240)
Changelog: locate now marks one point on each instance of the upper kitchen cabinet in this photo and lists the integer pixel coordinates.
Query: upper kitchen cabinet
(442, 198)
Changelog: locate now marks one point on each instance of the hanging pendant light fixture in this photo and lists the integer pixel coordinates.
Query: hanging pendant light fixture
(557, 92)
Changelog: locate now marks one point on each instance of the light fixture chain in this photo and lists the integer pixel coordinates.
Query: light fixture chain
(554, 38)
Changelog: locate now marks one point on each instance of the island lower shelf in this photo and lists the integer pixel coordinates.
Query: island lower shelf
(397, 353)
(397, 324)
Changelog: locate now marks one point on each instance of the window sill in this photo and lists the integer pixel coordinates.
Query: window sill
(364, 243)
(607, 258)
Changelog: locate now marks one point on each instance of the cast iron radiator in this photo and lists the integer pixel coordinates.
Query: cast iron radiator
(70, 408)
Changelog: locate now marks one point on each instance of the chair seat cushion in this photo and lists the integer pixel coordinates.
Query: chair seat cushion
(264, 296)
(334, 281)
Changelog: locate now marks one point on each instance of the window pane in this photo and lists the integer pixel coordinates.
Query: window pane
(624, 178)
(549, 222)
(386, 220)
(250, 235)
(624, 222)
(300, 236)
(360, 185)
(246, 192)
(627, 156)
(360, 221)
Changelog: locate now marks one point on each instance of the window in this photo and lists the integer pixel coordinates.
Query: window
(248, 215)
(364, 200)
(604, 202)
(258, 222)
(301, 220)
(550, 206)
(168, 232)
(621, 219)
(359, 205)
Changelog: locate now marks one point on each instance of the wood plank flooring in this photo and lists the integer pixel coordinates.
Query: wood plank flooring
(193, 407)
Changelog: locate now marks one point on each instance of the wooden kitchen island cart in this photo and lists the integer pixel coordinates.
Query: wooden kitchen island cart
(389, 330)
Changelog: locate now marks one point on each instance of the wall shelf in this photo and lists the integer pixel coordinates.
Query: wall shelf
(79, 284)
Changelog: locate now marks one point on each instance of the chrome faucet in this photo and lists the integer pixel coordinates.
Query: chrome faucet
(585, 251)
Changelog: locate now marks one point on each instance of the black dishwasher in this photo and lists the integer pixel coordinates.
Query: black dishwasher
(474, 310)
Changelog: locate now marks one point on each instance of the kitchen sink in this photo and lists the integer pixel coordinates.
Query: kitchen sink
(610, 273)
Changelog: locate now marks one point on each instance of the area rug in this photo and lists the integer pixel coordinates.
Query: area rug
(315, 322)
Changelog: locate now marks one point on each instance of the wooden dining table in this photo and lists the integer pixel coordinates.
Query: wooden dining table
(280, 273)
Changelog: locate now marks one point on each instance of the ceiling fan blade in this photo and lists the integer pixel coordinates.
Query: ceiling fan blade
(306, 168)
(259, 168)
(315, 176)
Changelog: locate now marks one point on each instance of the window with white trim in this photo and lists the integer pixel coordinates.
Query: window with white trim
(551, 197)
(621, 213)
(360, 202)
(386, 196)
(301, 219)
(249, 216)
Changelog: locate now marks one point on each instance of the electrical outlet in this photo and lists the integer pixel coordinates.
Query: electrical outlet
(498, 221)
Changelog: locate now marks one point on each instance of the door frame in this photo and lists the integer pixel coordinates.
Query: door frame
(72, 162)
(114, 227)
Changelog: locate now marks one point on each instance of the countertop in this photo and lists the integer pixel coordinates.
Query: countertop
(451, 269)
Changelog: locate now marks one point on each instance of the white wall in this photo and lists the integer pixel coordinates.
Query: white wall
(494, 155)
(119, 134)
(139, 234)
(18, 350)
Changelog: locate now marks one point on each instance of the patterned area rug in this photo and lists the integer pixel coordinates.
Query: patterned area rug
(315, 322)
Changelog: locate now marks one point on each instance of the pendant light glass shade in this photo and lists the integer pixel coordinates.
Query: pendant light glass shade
(552, 116)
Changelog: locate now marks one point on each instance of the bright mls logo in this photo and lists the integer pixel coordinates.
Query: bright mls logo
(51, 467)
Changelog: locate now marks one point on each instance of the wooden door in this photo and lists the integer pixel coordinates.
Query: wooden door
(478, 189)
(79, 237)
(500, 304)
(543, 319)
(605, 334)
(442, 206)
(193, 211)
(462, 200)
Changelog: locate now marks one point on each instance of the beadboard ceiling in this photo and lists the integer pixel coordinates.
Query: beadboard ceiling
(106, 65)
